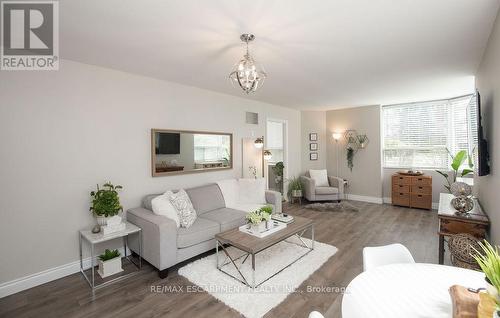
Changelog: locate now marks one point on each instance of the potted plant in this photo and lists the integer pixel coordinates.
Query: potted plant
(278, 172)
(294, 188)
(489, 261)
(456, 163)
(269, 211)
(258, 219)
(110, 263)
(105, 202)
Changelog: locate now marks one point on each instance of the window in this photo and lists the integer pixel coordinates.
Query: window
(274, 141)
(211, 148)
(416, 135)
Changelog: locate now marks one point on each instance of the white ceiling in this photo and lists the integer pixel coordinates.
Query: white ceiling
(319, 54)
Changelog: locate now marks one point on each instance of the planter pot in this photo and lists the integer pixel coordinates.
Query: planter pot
(269, 224)
(492, 291)
(258, 228)
(110, 267)
(296, 193)
(102, 220)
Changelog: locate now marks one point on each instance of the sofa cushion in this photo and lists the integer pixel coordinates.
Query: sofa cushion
(146, 202)
(320, 177)
(200, 231)
(252, 191)
(161, 205)
(226, 217)
(184, 207)
(229, 189)
(206, 198)
(326, 190)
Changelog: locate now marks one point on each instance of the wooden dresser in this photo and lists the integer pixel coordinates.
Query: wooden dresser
(412, 191)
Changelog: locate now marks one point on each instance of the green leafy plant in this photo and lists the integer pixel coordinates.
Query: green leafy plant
(456, 163)
(108, 254)
(293, 184)
(105, 201)
(262, 214)
(267, 209)
(278, 172)
(350, 157)
(489, 261)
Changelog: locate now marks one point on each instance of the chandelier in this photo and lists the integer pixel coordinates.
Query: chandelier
(247, 74)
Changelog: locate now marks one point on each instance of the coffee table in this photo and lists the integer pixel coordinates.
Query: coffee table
(252, 245)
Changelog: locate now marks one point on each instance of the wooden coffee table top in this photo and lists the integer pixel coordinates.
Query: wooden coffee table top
(252, 244)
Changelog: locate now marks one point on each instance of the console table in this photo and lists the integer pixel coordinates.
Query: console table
(475, 222)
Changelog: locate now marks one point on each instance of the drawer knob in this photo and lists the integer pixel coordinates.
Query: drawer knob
(420, 188)
(419, 195)
(419, 179)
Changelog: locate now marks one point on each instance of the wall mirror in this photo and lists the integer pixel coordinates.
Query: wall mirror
(179, 151)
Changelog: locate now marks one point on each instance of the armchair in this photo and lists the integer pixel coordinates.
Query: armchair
(334, 190)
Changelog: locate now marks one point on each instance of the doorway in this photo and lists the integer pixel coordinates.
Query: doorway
(276, 143)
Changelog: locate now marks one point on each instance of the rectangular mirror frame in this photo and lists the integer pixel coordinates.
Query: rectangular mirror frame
(171, 173)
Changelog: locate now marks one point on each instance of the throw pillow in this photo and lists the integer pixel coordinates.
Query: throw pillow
(320, 177)
(252, 191)
(184, 207)
(229, 189)
(161, 205)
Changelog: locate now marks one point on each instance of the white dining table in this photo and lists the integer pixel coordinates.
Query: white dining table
(406, 290)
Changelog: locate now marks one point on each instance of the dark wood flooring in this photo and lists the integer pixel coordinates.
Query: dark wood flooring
(373, 225)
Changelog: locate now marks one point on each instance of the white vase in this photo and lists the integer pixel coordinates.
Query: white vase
(258, 228)
(110, 267)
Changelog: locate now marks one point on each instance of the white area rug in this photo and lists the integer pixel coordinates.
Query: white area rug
(257, 303)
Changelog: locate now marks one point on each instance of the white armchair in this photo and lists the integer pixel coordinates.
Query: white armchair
(318, 186)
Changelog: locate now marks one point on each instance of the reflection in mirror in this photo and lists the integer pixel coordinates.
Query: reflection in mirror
(175, 152)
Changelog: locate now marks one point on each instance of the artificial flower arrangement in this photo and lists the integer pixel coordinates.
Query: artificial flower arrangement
(258, 218)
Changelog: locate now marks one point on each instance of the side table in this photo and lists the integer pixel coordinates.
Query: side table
(93, 239)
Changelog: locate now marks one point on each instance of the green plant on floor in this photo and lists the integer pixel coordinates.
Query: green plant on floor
(108, 254)
(105, 201)
(350, 157)
(456, 163)
(293, 185)
(278, 174)
(489, 261)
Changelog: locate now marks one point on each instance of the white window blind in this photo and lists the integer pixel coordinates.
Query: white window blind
(211, 148)
(416, 135)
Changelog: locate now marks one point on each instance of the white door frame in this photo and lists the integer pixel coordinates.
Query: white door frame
(285, 149)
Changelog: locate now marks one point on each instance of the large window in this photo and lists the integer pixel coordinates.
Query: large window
(416, 135)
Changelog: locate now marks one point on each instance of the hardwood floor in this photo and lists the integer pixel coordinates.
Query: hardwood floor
(373, 225)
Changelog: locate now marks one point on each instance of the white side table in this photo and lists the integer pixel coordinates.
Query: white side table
(93, 239)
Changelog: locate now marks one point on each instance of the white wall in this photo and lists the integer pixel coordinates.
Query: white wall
(64, 131)
(365, 179)
(488, 84)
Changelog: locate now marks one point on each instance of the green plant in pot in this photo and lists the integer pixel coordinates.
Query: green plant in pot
(109, 263)
(350, 157)
(489, 261)
(105, 202)
(294, 188)
(456, 163)
(278, 172)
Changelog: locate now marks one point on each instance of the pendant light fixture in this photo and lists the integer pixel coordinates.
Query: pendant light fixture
(247, 74)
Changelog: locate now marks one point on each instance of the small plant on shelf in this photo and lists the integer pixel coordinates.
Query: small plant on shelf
(457, 161)
(106, 201)
(108, 254)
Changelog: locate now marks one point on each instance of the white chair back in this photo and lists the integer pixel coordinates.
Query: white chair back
(385, 255)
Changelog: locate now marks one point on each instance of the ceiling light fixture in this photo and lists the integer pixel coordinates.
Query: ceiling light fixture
(247, 74)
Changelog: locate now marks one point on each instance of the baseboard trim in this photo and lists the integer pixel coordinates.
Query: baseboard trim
(365, 198)
(33, 280)
(435, 205)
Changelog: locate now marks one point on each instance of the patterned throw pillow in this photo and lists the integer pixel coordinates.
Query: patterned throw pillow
(184, 207)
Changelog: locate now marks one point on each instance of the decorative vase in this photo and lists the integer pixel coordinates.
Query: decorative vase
(269, 224)
(110, 267)
(258, 228)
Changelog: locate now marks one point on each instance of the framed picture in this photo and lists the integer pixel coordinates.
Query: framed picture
(313, 146)
(313, 156)
(313, 136)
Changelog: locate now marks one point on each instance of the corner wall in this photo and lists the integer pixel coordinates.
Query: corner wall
(488, 84)
(313, 122)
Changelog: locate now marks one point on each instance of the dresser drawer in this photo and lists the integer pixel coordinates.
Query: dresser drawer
(422, 201)
(421, 181)
(400, 198)
(401, 188)
(421, 189)
(405, 180)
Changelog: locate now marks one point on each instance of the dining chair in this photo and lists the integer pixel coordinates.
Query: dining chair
(385, 255)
